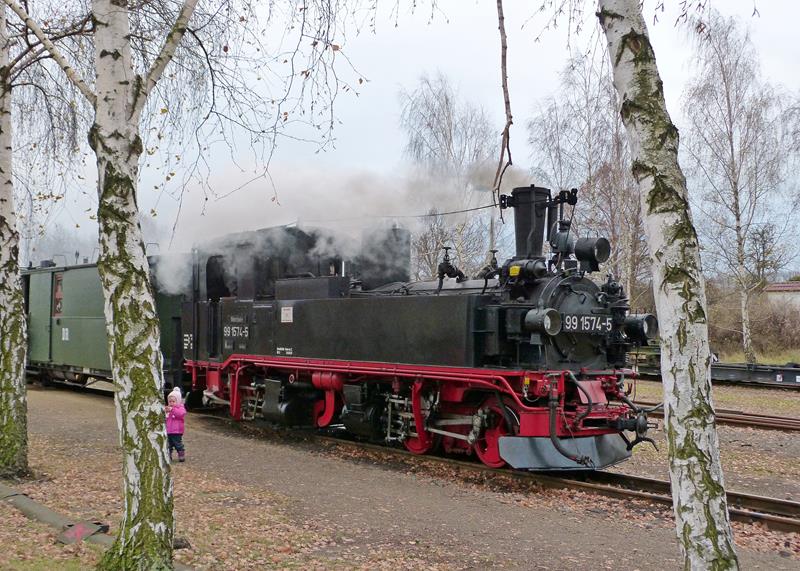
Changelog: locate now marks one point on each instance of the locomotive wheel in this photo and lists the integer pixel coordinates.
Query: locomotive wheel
(193, 399)
(487, 447)
(421, 400)
(415, 446)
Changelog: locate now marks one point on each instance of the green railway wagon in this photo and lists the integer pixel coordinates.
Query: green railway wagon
(67, 339)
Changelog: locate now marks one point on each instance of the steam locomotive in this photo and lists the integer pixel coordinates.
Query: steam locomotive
(522, 365)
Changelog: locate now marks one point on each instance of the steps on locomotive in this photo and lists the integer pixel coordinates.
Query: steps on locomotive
(252, 401)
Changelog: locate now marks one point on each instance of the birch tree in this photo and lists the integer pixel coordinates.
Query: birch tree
(118, 87)
(13, 403)
(20, 68)
(698, 488)
(740, 149)
(146, 531)
(450, 140)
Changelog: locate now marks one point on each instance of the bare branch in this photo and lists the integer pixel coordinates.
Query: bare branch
(505, 144)
(53, 50)
(171, 43)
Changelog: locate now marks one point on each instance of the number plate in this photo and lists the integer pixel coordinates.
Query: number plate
(585, 323)
(236, 331)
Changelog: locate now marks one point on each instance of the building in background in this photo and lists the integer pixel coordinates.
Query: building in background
(785, 294)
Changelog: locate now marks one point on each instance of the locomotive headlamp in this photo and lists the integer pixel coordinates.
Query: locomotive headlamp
(543, 321)
(641, 326)
(592, 252)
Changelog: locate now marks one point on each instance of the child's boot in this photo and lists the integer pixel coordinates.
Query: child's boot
(181, 456)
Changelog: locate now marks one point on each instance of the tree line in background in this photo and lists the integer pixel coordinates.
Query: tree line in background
(741, 145)
(741, 148)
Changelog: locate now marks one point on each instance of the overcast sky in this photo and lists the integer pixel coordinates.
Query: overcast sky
(364, 173)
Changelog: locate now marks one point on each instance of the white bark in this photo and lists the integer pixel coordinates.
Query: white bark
(747, 338)
(698, 490)
(146, 529)
(13, 404)
(167, 51)
(742, 275)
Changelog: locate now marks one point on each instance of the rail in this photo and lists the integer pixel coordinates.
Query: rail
(784, 377)
(741, 418)
(773, 513)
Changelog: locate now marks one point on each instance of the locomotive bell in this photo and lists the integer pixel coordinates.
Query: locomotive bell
(543, 321)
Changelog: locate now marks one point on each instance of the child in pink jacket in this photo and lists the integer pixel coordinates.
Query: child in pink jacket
(175, 413)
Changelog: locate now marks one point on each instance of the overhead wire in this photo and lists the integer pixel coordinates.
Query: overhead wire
(427, 215)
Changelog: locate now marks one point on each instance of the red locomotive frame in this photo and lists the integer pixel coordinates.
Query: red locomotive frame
(506, 392)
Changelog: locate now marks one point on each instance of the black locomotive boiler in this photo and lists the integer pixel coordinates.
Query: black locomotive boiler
(525, 364)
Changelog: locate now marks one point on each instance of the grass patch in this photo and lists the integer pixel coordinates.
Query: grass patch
(771, 358)
(755, 400)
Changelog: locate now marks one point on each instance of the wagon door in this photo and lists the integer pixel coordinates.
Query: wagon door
(40, 299)
(262, 339)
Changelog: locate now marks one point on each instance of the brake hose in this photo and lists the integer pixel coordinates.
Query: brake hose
(588, 410)
(553, 406)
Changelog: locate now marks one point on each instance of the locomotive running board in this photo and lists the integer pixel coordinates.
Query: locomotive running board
(529, 453)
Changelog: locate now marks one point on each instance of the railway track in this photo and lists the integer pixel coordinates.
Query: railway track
(740, 418)
(773, 513)
(764, 376)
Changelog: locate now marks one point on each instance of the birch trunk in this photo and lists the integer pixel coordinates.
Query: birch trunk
(145, 536)
(630, 255)
(698, 490)
(13, 404)
(742, 281)
(747, 338)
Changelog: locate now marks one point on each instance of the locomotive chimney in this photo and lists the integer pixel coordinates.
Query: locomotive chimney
(530, 217)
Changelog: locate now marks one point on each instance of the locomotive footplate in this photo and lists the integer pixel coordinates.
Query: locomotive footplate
(539, 453)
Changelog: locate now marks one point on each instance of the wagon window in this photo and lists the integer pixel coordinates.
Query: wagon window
(26, 292)
(58, 294)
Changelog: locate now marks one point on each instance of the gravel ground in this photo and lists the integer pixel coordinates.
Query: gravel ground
(247, 502)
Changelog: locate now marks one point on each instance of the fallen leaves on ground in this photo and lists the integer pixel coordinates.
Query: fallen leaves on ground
(227, 526)
(25, 544)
